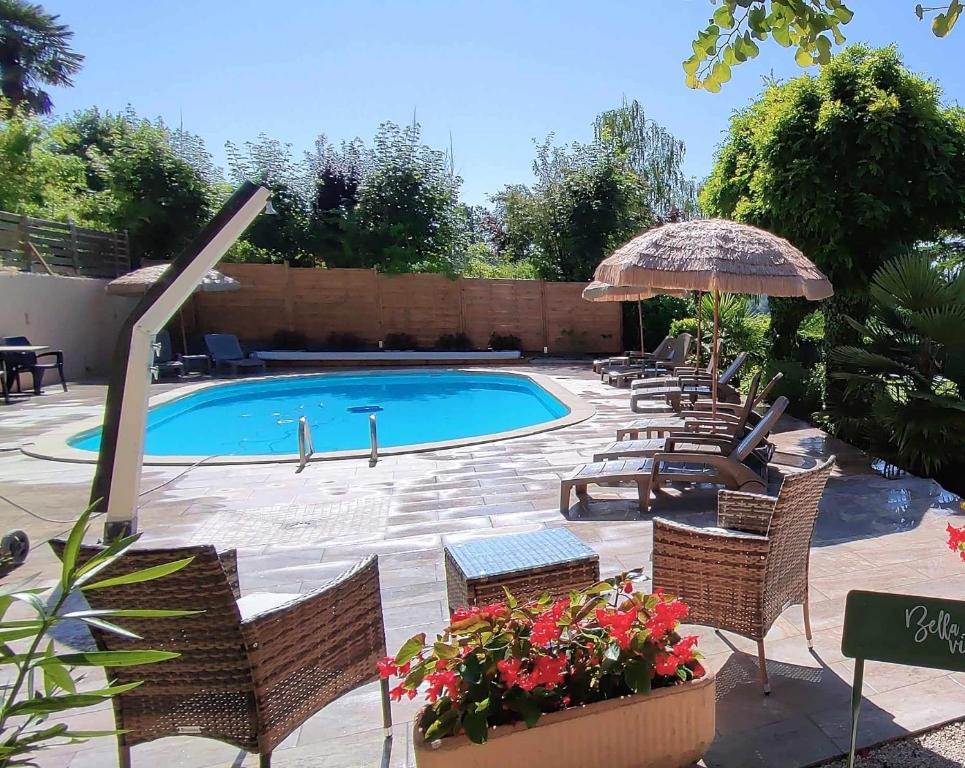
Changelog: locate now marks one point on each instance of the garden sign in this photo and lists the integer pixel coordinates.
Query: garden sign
(900, 629)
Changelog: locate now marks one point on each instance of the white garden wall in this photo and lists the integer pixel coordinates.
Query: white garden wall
(74, 314)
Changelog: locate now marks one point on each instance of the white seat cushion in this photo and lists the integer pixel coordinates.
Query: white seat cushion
(259, 602)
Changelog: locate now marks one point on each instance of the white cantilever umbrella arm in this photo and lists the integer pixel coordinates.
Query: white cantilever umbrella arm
(117, 479)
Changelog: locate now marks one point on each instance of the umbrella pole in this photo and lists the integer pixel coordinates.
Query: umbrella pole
(184, 336)
(700, 340)
(640, 320)
(713, 355)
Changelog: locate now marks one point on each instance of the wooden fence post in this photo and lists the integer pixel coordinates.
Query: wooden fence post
(378, 296)
(542, 313)
(289, 301)
(462, 309)
(23, 238)
(74, 254)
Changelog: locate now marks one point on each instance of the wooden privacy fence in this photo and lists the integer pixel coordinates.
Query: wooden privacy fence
(38, 245)
(318, 302)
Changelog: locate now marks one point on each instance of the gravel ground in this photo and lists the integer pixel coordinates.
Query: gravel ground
(941, 748)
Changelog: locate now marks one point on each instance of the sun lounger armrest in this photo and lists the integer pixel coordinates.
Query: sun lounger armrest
(710, 427)
(743, 511)
(730, 408)
(722, 443)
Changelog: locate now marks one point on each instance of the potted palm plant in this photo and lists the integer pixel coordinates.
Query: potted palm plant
(599, 678)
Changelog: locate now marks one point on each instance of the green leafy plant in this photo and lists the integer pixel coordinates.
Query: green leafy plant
(44, 682)
(400, 341)
(903, 395)
(739, 330)
(505, 341)
(454, 342)
(812, 28)
(509, 661)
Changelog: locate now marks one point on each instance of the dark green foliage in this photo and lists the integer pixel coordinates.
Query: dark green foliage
(854, 166)
(658, 313)
(289, 340)
(400, 341)
(903, 384)
(139, 184)
(586, 202)
(454, 342)
(345, 342)
(34, 52)
(506, 341)
(803, 385)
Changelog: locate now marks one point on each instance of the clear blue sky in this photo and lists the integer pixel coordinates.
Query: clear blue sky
(495, 75)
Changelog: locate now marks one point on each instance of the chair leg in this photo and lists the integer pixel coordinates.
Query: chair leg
(63, 381)
(762, 659)
(564, 499)
(264, 760)
(123, 756)
(807, 622)
(38, 377)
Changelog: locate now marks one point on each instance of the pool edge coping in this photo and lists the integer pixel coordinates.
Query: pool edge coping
(54, 446)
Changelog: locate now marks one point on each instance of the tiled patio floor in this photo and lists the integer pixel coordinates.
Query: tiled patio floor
(295, 531)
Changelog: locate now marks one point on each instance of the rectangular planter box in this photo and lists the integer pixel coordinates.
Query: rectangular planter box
(668, 728)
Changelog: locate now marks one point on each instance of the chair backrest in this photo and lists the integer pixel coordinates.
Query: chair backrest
(223, 346)
(662, 349)
(24, 359)
(166, 355)
(709, 368)
(761, 430)
(748, 408)
(733, 368)
(762, 395)
(679, 351)
(213, 663)
(790, 533)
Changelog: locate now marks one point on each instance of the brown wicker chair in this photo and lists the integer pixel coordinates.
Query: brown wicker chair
(245, 680)
(741, 576)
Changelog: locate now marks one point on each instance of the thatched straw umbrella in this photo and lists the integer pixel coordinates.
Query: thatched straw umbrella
(138, 282)
(716, 256)
(597, 291)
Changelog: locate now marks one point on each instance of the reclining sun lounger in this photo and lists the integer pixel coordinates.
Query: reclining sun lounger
(677, 357)
(692, 386)
(659, 352)
(226, 351)
(719, 460)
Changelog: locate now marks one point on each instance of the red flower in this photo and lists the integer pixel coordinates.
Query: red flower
(628, 586)
(386, 667)
(684, 650)
(565, 701)
(620, 624)
(666, 664)
(698, 669)
(494, 611)
(399, 691)
(956, 539)
(549, 670)
(509, 671)
(665, 616)
(545, 630)
(405, 668)
(438, 681)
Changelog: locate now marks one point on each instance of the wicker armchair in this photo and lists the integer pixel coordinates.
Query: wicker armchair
(741, 576)
(245, 680)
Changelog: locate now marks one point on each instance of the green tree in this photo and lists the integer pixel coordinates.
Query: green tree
(853, 166)
(812, 27)
(655, 154)
(407, 217)
(137, 181)
(586, 202)
(35, 177)
(34, 52)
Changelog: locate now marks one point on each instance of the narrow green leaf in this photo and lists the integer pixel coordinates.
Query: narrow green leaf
(50, 704)
(71, 548)
(146, 574)
(131, 613)
(106, 626)
(59, 675)
(112, 658)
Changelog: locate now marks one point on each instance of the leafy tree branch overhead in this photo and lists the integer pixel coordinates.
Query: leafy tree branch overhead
(811, 27)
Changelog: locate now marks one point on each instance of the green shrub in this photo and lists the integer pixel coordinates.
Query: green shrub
(802, 385)
(505, 342)
(400, 341)
(454, 342)
(345, 342)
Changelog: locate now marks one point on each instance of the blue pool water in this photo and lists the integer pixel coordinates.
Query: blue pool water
(261, 417)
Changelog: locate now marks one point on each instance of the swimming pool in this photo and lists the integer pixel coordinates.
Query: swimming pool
(413, 408)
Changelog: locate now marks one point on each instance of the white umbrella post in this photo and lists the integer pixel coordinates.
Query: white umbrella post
(714, 353)
(118, 474)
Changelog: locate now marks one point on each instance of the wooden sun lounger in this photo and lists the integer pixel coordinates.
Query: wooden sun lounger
(676, 358)
(719, 460)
